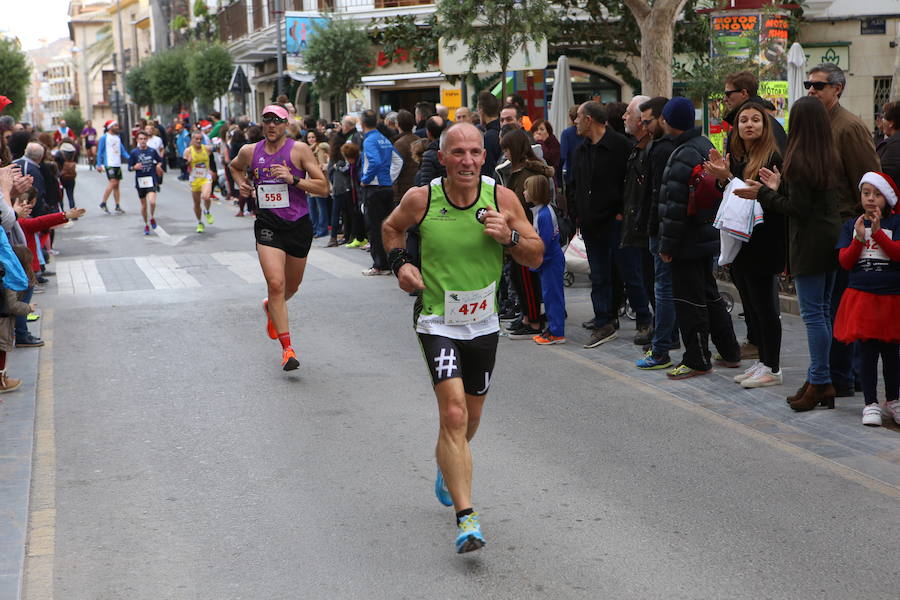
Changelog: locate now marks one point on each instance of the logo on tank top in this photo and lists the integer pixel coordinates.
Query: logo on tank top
(481, 215)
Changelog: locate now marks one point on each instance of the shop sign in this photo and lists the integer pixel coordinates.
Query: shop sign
(760, 37)
(873, 26)
(838, 54)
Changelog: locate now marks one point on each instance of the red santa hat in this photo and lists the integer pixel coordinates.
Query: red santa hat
(884, 183)
(110, 123)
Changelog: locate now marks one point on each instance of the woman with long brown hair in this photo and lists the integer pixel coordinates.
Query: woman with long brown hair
(756, 267)
(807, 198)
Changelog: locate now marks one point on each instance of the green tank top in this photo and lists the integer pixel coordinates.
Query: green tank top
(456, 255)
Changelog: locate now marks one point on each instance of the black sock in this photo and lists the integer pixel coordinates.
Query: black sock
(463, 513)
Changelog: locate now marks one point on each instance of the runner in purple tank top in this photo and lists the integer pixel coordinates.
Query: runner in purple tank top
(283, 173)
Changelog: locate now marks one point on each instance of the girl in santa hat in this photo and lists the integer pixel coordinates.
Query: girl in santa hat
(870, 249)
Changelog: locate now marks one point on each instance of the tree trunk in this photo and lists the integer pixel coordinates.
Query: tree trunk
(657, 24)
(657, 38)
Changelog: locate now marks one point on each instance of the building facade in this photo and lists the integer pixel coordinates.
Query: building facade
(862, 39)
(248, 28)
(89, 27)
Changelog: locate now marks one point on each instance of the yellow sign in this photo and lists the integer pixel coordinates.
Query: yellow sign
(451, 98)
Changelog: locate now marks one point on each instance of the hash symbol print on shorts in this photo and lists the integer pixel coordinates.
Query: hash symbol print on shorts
(446, 363)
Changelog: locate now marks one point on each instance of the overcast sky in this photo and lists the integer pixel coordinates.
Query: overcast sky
(35, 22)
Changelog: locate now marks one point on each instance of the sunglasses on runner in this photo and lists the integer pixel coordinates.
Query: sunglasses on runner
(276, 120)
(728, 93)
(819, 85)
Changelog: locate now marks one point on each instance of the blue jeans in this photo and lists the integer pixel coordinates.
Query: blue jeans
(320, 214)
(631, 270)
(665, 332)
(814, 294)
(602, 250)
(22, 321)
(844, 358)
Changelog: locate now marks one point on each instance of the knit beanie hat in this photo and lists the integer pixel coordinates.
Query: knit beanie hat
(884, 183)
(679, 113)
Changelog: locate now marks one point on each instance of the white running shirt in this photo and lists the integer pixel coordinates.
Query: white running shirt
(113, 150)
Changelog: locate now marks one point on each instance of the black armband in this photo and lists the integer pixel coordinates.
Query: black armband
(398, 257)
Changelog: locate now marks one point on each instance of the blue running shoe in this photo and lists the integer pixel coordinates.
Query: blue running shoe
(440, 490)
(469, 536)
(650, 362)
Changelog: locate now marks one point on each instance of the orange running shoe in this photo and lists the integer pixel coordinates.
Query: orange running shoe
(547, 338)
(289, 360)
(270, 326)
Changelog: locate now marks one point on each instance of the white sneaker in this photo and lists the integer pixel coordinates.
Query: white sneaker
(748, 373)
(373, 271)
(872, 415)
(763, 377)
(892, 410)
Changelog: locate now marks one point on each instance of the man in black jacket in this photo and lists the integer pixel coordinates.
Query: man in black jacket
(743, 87)
(665, 331)
(489, 113)
(690, 242)
(598, 176)
(430, 166)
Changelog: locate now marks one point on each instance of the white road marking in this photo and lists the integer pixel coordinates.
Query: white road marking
(243, 264)
(333, 264)
(163, 236)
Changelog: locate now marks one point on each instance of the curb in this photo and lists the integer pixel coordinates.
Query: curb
(17, 417)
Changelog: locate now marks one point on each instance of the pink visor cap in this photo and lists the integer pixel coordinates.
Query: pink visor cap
(276, 110)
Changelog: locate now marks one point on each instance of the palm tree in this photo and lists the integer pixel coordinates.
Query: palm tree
(99, 53)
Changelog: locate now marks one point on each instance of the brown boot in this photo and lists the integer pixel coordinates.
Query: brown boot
(815, 395)
(799, 393)
(8, 384)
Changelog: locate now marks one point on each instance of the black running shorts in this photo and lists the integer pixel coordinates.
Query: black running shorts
(114, 172)
(294, 237)
(470, 360)
(142, 192)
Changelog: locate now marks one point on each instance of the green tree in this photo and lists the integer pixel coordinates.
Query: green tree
(338, 55)
(496, 30)
(209, 71)
(137, 84)
(167, 73)
(15, 76)
(74, 119)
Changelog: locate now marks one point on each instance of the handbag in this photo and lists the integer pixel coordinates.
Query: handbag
(704, 196)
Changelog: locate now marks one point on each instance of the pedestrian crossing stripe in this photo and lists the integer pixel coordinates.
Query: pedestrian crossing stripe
(183, 271)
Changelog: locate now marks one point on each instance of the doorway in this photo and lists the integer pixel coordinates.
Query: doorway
(394, 99)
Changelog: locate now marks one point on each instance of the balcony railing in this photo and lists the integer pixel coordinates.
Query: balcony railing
(233, 21)
(356, 5)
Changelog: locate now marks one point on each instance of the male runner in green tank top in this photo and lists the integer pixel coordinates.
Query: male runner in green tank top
(465, 221)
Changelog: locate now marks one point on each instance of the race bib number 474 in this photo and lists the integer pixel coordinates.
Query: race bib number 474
(463, 308)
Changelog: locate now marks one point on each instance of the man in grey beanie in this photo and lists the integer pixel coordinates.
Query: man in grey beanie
(688, 240)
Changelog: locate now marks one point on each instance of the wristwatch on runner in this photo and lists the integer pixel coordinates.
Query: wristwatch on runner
(513, 239)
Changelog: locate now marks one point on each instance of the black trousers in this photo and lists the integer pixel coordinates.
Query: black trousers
(870, 350)
(527, 285)
(701, 313)
(762, 311)
(378, 202)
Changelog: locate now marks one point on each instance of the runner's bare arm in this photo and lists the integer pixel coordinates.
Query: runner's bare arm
(409, 212)
(499, 225)
(316, 184)
(238, 166)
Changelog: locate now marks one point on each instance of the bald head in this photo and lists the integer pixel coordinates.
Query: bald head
(460, 131)
(34, 151)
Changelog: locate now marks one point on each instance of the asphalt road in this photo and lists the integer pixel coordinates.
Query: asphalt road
(189, 466)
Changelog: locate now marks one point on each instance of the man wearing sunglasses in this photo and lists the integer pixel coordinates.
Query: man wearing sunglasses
(284, 174)
(857, 151)
(743, 87)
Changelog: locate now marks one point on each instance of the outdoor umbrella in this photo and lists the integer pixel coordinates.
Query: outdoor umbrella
(796, 59)
(563, 97)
